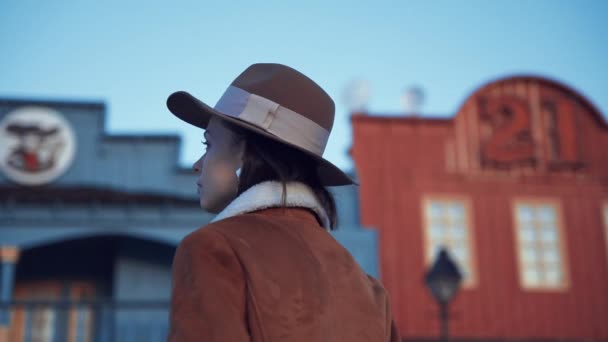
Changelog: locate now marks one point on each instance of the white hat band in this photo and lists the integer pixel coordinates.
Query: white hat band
(273, 118)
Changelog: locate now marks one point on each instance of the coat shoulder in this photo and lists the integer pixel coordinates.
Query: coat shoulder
(207, 275)
(239, 226)
(382, 301)
(211, 239)
(219, 235)
(376, 285)
(218, 229)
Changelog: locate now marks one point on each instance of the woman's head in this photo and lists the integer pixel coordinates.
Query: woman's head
(217, 180)
(260, 159)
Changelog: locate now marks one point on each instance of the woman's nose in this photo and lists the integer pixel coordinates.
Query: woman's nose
(197, 165)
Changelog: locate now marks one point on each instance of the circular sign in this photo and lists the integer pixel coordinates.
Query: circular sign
(37, 145)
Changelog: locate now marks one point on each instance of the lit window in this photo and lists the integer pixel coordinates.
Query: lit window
(41, 320)
(539, 245)
(447, 225)
(83, 328)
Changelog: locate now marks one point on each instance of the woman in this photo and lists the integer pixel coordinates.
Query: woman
(266, 268)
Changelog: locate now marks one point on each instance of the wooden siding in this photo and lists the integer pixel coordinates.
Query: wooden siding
(399, 161)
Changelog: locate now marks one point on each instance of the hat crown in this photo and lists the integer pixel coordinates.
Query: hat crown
(277, 102)
(290, 89)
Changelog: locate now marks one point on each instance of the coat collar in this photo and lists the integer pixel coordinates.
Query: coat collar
(269, 194)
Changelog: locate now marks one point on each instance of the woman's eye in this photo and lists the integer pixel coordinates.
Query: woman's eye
(205, 143)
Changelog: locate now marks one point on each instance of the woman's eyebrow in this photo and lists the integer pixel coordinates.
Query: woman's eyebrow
(206, 134)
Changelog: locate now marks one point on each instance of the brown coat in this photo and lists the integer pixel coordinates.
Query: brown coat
(273, 275)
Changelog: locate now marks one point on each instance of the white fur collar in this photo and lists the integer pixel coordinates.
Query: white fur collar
(268, 194)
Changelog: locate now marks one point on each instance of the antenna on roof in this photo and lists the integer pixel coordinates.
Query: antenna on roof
(412, 99)
(356, 95)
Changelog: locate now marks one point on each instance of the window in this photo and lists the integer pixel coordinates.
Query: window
(447, 224)
(83, 324)
(41, 319)
(539, 244)
(82, 316)
(41, 322)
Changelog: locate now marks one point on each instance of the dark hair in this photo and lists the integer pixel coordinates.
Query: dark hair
(265, 159)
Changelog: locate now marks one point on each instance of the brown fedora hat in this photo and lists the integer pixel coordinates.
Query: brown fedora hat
(275, 101)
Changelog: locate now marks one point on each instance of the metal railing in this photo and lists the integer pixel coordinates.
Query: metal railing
(96, 320)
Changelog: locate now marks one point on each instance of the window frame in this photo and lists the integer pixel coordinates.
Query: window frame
(81, 291)
(77, 290)
(22, 291)
(561, 243)
(473, 281)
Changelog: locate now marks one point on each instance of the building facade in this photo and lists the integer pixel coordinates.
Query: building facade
(515, 185)
(89, 223)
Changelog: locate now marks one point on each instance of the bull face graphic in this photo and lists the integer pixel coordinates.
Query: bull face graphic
(37, 145)
(37, 150)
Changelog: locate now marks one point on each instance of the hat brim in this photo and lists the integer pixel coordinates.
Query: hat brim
(195, 112)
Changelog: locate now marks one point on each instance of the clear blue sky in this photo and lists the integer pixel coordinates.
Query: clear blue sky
(132, 54)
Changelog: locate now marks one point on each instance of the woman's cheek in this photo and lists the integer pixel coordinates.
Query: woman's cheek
(224, 176)
(218, 180)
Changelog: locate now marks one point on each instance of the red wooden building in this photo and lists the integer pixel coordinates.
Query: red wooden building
(516, 186)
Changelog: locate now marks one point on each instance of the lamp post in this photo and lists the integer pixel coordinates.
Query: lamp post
(443, 280)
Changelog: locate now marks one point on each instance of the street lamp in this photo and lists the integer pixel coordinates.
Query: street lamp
(443, 280)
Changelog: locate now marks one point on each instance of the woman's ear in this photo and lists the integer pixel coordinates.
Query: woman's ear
(239, 151)
(240, 155)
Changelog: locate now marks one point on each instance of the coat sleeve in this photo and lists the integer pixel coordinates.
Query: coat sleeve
(208, 291)
(383, 300)
(394, 333)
